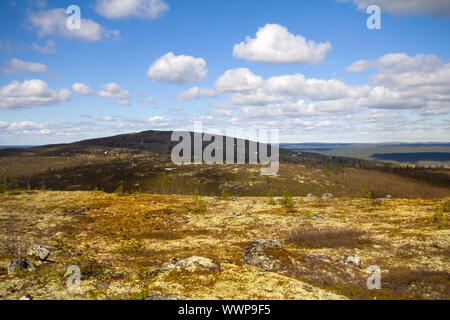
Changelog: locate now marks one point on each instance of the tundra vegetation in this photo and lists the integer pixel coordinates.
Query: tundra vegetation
(140, 227)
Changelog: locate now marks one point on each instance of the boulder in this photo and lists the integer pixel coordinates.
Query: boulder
(193, 264)
(310, 195)
(39, 252)
(350, 260)
(254, 254)
(328, 196)
(19, 264)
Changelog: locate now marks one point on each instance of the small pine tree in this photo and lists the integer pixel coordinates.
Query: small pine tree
(287, 201)
(270, 195)
(224, 194)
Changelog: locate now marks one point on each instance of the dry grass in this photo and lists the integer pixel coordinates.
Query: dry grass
(329, 237)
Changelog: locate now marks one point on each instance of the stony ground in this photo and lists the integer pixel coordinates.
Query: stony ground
(121, 242)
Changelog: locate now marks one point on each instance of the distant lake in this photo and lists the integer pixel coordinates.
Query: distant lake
(413, 157)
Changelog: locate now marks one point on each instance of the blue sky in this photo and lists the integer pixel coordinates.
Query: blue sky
(304, 89)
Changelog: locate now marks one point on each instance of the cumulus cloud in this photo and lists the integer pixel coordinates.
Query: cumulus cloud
(195, 93)
(30, 93)
(237, 80)
(420, 84)
(178, 69)
(83, 89)
(439, 8)
(53, 23)
(120, 9)
(113, 90)
(15, 66)
(274, 44)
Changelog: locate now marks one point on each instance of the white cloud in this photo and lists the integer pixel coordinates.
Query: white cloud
(178, 69)
(113, 90)
(30, 93)
(15, 66)
(83, 89)
(195, 93)
(359, 66)
(398, 62)
(237, 80)
(439, 8)
(53, 22)
(47, 48)
(119, 9)
(274, 44)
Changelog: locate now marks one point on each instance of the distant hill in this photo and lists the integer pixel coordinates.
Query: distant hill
(141, 162)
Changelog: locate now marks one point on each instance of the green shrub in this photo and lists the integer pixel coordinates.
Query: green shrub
(287, 202)
(270, 195)
(224, 195)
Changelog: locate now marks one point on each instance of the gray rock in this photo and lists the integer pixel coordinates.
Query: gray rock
(350, 259)
(26, 297)
(38, 252)
(328, 196)
(254, 254)
(192, 264)
(19, 264)
(310, 195)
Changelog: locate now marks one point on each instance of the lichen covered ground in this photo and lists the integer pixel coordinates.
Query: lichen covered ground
(120, 243)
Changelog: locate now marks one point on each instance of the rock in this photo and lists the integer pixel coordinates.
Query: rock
(193, 264)
(228, 261)
(26, 297)
(154, 271)
(350, 259)
(237, 214)
(388, 196)
(102, 286)
(233, 199)
(38, 252)
(254, 254)
(328, 196)
(216, 199)
(310, 195)
(19, 264)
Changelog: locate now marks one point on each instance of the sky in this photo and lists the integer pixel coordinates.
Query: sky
(312, 69)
